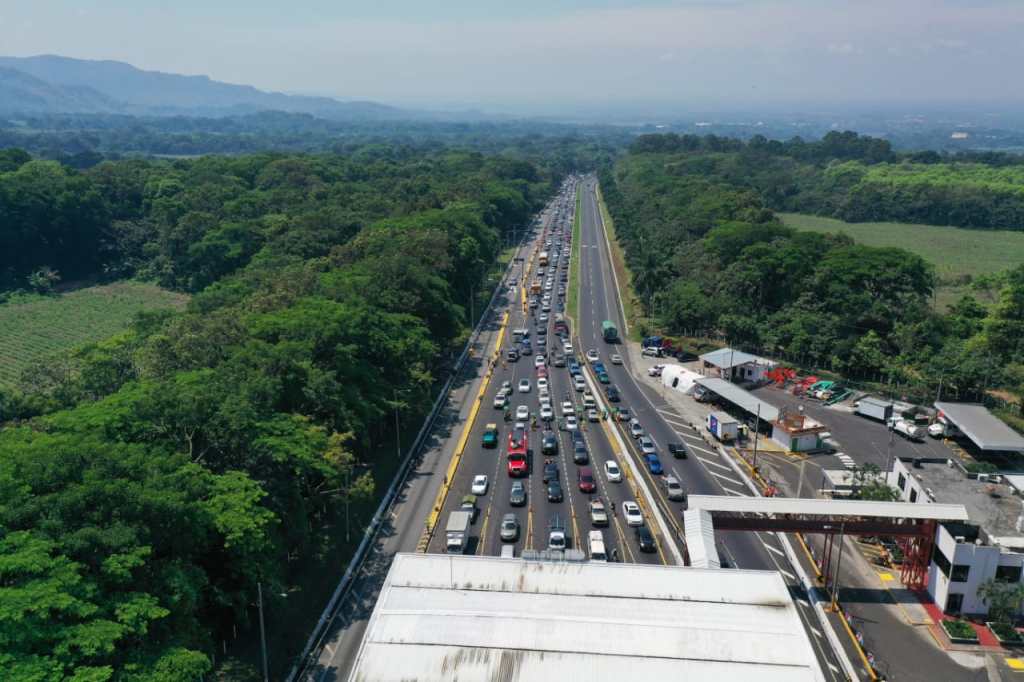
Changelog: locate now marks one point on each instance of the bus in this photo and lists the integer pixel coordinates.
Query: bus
(609, 332)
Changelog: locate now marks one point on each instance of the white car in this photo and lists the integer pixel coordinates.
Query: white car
(612, 471)
(655, 371)
(542, 384)
(567, 347)
(546, 413)
(593, 416)
(522, 413)
(579, 382)
(506, 386)
(479, 484)
(538, 361)
(592, 355)
(567, 408)
(500, 401)
(635, 429)
(543, 317)
(524, 386)
(647, 446)
(631, 511)
(571, 424)
(616, 359)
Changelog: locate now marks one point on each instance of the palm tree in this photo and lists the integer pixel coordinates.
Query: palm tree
(1002, 598)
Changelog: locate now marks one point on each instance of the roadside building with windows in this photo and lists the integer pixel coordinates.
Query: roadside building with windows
(735, 365)
(966, 555)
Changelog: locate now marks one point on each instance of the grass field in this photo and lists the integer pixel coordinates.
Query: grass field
(35, 327)
(953, 251)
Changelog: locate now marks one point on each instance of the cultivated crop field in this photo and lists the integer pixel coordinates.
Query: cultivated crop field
(953, 251)
(32, 328)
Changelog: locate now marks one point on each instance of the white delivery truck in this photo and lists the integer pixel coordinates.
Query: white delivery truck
(597, 551)
(723, 426)
(874, 408)
(457, 532)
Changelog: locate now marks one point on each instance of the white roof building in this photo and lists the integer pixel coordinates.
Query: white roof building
(466, 618)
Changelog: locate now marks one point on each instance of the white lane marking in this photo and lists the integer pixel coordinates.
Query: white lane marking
(677, 424)
(670, 413)
(726, 478)
(714, 464)
(773, 549)
(733, 492)
(787, 574)
(834, 669)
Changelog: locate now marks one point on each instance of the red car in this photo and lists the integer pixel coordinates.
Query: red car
(585, 478)
(517, 465)
(542, 372)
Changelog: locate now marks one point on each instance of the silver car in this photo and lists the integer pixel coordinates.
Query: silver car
(674, 489)
(509, 528)
(647, 446)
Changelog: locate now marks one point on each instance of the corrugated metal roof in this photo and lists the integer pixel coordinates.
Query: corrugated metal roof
(444, 617)
(978, 424)
(789, 505)
(728, 357)
(870, 400)
(739, 397)
(700, 539)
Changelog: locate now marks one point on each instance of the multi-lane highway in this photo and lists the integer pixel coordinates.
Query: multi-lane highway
(540, 514)
(472, 410)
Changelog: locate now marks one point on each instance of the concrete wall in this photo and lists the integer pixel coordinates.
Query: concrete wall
(912, 489)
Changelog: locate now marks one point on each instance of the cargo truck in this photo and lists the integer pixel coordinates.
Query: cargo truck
(907, 429)
(874, 408)
(457, 532)
(723, 426)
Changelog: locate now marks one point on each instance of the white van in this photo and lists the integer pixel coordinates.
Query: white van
(597, 552)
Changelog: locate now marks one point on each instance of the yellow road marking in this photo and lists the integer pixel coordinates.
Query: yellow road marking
(529, 528)
(1015, 664)
(885, 577)
(482, 544)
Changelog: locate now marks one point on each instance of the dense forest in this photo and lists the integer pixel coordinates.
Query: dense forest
(150, 481)
(858, 178)
(709, 258)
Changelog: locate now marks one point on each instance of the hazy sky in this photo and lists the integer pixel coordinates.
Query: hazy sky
(536, 56)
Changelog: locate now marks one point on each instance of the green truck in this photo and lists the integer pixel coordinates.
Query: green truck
(609, 332)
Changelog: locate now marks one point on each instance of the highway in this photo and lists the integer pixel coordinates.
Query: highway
(540, 514)
(703, 471)
(471, 410)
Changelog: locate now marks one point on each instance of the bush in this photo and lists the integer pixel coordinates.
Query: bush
(959, 629)
(1005, 632)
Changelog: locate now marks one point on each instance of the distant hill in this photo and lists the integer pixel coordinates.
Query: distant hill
(54, 84)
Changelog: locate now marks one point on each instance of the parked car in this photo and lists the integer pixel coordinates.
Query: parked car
(644, 539)
(655, 371)
(585, 480)
(612, 471)
(517, 496)
(631, 512)
(479, 484)
(509, 528)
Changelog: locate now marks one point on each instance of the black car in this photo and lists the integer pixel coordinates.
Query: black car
(644, 539)
(550, 472)
(678, 450)
(517, 498)
(549, 444)
(580, 454)
(611, 393)
(554, 491)
(542, 331)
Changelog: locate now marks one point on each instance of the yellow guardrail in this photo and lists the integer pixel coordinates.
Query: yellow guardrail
(453, 465)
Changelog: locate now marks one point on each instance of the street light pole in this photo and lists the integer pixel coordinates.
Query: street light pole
(757, 430)
(263, 634)
(839, 565)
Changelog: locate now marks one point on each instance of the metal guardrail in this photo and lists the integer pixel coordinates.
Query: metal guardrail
(330, 612)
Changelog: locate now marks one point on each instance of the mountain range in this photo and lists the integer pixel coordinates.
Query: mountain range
(55, 84)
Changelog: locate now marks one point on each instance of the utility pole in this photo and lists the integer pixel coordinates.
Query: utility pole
(263, 634)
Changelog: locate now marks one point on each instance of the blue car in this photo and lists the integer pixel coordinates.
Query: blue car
(598, 367)
(574, 368)
(653, 464)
